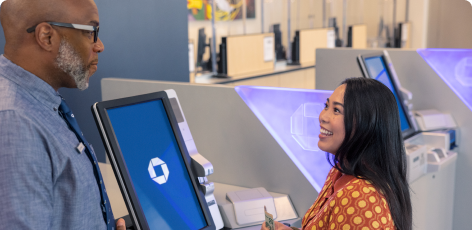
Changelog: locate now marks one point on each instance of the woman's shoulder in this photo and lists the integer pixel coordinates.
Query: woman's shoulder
(361, 204)
(360, 190)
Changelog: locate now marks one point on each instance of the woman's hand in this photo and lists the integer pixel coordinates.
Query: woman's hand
(278, 226)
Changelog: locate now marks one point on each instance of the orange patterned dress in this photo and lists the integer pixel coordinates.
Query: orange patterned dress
(354, 205)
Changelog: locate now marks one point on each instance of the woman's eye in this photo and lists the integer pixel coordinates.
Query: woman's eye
(337, 110)
(325, 105)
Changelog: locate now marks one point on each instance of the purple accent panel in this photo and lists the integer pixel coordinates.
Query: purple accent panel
(454, 66)
(291, 117)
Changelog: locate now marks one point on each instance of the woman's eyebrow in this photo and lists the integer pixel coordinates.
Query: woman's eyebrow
(337, 103)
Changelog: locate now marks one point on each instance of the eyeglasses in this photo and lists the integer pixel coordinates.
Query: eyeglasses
(92, 29)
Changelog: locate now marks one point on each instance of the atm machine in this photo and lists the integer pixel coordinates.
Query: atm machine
(231, 206)
(428, 145)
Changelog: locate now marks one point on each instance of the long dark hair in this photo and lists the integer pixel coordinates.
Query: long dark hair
(373, 145)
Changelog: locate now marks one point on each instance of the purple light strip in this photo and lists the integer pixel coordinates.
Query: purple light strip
(263, 101)
(446, 63)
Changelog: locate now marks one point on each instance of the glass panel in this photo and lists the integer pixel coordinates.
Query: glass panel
(291, 117)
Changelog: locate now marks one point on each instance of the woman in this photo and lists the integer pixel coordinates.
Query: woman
(367, 186)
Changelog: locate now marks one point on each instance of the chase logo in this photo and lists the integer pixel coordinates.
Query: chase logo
(158, 179)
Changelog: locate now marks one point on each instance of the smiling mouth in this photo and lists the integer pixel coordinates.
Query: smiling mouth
(325, 132)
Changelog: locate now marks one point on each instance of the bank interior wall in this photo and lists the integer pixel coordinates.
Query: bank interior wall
(307, 14)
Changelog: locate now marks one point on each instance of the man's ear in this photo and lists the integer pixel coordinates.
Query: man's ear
(46, 36)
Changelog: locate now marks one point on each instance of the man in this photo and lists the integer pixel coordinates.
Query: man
(49, 178)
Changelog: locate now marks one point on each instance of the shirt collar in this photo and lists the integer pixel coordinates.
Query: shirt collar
(34, 85)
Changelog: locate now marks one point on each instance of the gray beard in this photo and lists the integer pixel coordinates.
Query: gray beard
(69, 61)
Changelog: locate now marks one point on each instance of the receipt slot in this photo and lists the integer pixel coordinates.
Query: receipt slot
(249, 204)
(244, 207)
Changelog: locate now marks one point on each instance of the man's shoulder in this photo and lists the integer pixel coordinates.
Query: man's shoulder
(17, 109)
(12, 97)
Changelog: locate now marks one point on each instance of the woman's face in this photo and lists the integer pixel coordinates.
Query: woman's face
(332, 122)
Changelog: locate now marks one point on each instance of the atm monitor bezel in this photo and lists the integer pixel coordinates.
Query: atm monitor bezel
(395, 83)
(99, 111)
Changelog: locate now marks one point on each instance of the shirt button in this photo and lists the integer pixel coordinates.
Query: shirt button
(55, 109)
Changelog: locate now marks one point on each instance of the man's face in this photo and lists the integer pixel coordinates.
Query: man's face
(78, 54)
(69, 61)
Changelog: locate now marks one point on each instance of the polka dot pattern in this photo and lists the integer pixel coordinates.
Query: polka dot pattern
(350, 210)
(384, 220)
(357, 220)
(355, 206)
(372, 199)
(355, 194)
(375, 224)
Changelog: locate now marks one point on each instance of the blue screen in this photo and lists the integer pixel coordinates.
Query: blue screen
(156, 166)
(377, 69)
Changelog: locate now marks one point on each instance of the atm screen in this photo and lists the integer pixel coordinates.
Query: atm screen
(377, 70)
(156, 166)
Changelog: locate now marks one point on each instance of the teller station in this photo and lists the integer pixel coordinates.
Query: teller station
(246, 149)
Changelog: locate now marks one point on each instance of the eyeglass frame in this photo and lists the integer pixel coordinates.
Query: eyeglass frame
(90, 28)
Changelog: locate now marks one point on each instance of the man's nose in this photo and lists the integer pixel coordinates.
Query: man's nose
(98, 47)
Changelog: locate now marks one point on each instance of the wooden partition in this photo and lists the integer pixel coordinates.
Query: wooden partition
(312, 39)
(245, 54)
(359, 36)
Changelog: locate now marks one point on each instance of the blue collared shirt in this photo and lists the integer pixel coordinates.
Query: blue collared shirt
(45, 183)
